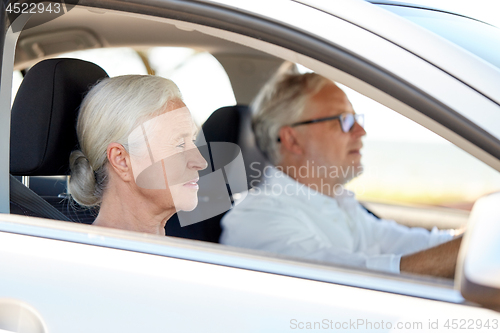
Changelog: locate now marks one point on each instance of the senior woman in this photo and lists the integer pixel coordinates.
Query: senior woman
(137, 160)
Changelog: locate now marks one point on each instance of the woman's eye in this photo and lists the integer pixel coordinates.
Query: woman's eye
(183, 144)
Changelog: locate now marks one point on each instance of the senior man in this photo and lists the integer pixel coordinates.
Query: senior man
(308, 129)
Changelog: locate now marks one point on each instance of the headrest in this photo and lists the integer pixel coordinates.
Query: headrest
(234, 124)
(44, 113)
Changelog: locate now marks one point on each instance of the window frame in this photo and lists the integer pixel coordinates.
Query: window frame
(320, 54)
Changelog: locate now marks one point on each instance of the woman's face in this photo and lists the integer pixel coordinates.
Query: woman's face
(165, 158)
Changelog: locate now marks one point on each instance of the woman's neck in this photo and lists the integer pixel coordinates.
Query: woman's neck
(131, 212)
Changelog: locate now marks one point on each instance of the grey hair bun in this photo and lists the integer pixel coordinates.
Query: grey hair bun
(82, 183)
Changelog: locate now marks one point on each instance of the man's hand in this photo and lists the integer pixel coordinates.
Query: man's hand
(437, 261)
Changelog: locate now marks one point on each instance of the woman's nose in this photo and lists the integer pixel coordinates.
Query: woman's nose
(196, 160)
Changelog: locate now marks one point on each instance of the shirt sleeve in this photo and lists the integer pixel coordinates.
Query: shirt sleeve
(288, 235)
(394, 238)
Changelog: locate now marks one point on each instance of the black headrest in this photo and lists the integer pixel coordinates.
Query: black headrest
(44, 115)
(234, 124)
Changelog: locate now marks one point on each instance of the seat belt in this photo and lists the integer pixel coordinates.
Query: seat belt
(26, 198)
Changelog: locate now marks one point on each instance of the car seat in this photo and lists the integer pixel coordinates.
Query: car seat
(43, 133)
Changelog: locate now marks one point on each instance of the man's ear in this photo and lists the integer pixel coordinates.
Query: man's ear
(119, 161)
(289, 140)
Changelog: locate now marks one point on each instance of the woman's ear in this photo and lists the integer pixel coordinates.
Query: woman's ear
(119, 161)
(289, 141)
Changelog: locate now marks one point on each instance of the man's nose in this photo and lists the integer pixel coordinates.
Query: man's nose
(196, 160)
(358, 130)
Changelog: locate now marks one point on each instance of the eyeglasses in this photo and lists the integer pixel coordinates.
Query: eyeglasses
(347, 121)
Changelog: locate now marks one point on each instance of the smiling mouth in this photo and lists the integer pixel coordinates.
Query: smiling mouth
(192, 183)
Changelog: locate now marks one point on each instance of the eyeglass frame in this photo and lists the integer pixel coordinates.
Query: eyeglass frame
(356, 117)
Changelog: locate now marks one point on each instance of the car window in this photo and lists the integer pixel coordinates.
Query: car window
(200, 77)
(115, 61)
(413, 175)
(406, 164)
(17, 78)
(202, 80)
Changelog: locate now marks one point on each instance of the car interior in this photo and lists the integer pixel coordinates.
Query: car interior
(44, 110)
(43, 135)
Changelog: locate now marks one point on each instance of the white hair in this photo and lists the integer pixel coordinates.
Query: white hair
(281, 102)
(109, 113)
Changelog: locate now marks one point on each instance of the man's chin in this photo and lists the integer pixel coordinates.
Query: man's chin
(355, 170)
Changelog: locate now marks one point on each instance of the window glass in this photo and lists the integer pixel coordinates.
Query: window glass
(115, 61)
(17, 79)
(406, 163)
(412, 175)
(202, 80)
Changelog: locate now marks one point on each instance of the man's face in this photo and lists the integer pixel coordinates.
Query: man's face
(325, 144)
